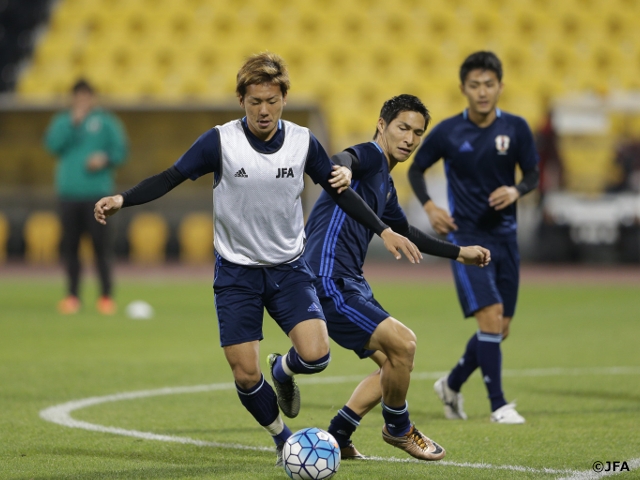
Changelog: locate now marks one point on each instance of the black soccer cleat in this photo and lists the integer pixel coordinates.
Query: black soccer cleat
(288, 393)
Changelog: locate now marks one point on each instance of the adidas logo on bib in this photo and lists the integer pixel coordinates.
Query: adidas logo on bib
(241, 173)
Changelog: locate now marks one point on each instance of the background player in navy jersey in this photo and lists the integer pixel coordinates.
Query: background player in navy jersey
(258, 164)
(481, 148)
(336, 251)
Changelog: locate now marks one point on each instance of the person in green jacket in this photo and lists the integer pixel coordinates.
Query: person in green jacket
(89, 143)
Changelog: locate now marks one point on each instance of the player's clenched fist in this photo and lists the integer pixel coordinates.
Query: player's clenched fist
(394, 243)
(107, 206)
(474, 255)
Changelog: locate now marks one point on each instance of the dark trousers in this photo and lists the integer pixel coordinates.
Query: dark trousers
(77, 218)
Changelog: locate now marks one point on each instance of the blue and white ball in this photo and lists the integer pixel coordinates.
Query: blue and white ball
(311, 454)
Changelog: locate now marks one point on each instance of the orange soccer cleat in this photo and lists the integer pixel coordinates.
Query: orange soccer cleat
(106, 306)
(69, 305)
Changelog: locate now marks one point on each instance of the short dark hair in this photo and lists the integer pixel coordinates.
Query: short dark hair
(82, 85)
(403, 103)
(481, 60)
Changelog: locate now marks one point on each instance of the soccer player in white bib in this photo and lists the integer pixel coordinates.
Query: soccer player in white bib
(258, 164)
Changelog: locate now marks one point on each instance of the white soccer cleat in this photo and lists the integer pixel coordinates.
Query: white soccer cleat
(507, 414)
(451, 400)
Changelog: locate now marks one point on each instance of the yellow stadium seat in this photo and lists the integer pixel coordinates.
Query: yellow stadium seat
(313, 25)
(42, 235)
(441, 24)
(68, 17)
(619, 25)
(30, 85)
(347, 54)
(529, 23)
(4, 237)
(523, 100)
(146, 86)
(224, 25)
(517, 61)
(566, 24)
(196, 238)
(427, 62)
(148, 233)
(99, 23)
(485, 22)
(606, 60)
(561, 59)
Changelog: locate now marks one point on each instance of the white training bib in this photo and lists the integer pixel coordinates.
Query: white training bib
(256, 202)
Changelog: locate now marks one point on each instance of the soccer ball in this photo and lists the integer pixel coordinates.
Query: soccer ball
(139, 310)
(311, 454)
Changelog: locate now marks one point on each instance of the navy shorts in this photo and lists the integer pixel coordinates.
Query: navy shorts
(495, 283)
(242, 293)
(351, 311)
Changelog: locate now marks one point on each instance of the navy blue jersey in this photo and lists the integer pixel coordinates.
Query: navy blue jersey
(336, 244)
(204, 155)
(478, 161)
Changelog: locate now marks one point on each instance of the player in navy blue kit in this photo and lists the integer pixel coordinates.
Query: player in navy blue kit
(259, 163)
(336, 250)
(481, 148)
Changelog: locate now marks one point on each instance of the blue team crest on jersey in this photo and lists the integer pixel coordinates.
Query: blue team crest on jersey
(502, 144)
(466, 147)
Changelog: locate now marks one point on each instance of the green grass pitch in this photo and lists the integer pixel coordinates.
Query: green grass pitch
(558, 366)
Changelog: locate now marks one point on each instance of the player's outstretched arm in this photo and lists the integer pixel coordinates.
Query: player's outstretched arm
(107, 206)
(474, 255)
(426, 243)
(147, 190)
(353, 205)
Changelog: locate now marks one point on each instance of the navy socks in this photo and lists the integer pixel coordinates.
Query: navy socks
(396, 419)
(292, 363)
(490, 362)
(343, 425)
(483, 350)
(297, 365)
(466, 365)
(261, 402)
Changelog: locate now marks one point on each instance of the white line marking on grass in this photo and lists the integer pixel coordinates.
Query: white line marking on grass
(61, 415)
(545, 372)
(484, 466)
